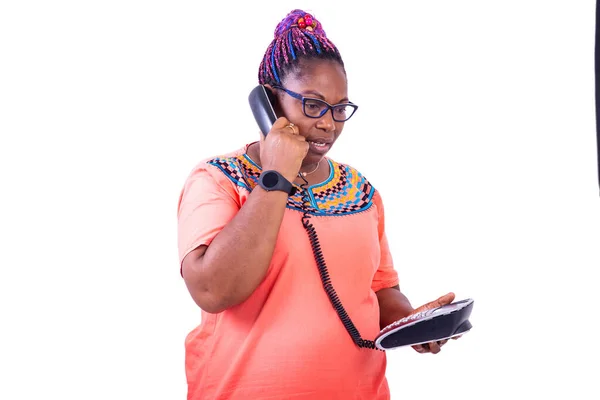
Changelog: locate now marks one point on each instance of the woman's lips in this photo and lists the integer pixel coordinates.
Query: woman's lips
(320, 147)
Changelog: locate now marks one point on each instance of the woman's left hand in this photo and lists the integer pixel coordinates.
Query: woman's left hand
(433, 347)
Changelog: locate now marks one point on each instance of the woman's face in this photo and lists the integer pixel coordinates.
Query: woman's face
(320, 79)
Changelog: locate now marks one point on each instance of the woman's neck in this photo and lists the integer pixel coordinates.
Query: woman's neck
(314, 173)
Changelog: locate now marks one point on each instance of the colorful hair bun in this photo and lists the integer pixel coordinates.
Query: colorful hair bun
(299, 36)
(302, 20)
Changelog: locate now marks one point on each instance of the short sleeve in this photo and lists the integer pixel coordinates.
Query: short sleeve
(385, 276)
(208, 201)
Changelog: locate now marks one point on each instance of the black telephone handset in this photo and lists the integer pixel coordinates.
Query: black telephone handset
(261, 103)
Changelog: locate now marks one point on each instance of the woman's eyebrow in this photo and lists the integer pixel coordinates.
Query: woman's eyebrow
(319, 95)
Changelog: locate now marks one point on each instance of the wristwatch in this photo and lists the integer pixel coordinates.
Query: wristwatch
(273, 180)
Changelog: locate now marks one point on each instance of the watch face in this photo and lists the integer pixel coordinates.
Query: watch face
(270, 179)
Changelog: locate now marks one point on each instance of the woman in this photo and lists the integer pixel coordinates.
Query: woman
(247, 248)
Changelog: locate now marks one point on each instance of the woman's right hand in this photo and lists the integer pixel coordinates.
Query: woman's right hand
(283, 149)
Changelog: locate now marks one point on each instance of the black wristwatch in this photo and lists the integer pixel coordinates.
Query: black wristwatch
(273, 180)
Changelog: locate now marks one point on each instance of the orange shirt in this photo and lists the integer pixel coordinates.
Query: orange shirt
(286, 340)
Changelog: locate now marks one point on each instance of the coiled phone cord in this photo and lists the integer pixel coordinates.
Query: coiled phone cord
(324, 273)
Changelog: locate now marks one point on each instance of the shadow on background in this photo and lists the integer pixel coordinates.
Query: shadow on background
(597, 76)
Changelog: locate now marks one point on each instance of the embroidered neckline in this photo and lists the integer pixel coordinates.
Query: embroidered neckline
(345, 191)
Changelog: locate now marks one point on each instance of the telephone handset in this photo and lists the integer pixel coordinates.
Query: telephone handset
(261, 103)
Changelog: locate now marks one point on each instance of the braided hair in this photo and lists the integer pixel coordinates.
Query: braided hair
(298, 37)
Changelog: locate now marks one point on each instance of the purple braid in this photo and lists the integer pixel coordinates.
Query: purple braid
(293, 44)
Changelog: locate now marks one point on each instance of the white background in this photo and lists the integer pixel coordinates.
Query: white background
(477, 125)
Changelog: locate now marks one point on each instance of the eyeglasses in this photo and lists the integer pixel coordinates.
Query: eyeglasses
(316, 108)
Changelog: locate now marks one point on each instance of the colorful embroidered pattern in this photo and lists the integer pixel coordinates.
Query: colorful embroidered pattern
(346, 191)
